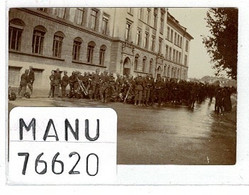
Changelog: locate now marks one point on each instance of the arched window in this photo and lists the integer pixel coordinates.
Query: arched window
(15, 32)
(136, 62)
(90, 50)
(57, 44)
(144, 64)
(151, 65)
(76, 48)
(38, 39)
(102, 55)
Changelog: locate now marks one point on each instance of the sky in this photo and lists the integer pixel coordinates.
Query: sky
(193, 20)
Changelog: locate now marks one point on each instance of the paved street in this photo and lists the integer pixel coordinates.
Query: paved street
(166, 135)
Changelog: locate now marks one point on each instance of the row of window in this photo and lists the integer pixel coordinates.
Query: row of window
(145, 14)
(173, 55)
(146, 40)
(144, 62)
(174, 36)
(178, 42)
(15, 33)
(173, 72)
(81, 18)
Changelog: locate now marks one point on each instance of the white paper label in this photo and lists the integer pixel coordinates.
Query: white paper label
(61, 145)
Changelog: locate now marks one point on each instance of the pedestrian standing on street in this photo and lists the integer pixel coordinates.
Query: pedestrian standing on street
(31, 79)
(23, 83)
(51, 91)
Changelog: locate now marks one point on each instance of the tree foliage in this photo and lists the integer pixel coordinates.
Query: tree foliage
(222, 44)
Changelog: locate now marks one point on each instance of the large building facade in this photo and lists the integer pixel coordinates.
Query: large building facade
(126, 41)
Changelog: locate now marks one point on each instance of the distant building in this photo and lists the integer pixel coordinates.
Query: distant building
(127, 41)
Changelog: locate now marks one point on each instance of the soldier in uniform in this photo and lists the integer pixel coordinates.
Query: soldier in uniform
(138, 90)
(72, 80)
(64, 83)
(31, 79)
(111, 94)
(104, 79)
(148, 87)
(85, 81)
(57, 82)
(119, 84)
(219, 100)
(51, 91)
(11, 94)
(227, 99)
(96, 84)
(90, 85)
(23, 83)
(159, 85)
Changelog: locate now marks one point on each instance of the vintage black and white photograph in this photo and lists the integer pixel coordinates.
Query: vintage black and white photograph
(169, 73)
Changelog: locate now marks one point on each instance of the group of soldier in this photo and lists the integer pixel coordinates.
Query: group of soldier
(139, 90)
(27, 80)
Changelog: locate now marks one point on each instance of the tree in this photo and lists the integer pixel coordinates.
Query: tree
(222, 44)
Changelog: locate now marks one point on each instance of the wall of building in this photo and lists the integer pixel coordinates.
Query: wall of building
(119, 54)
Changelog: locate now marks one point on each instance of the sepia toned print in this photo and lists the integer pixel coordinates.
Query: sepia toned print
(136, 61)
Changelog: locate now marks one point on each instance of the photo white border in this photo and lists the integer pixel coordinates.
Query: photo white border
(154, 175)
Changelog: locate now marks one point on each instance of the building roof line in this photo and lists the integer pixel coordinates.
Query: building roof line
(172, 19)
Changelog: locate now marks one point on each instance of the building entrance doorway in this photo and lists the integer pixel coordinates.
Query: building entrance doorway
(127, 67)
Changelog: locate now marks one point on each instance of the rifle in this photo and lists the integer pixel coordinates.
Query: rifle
(127, 93)
(82, 86)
